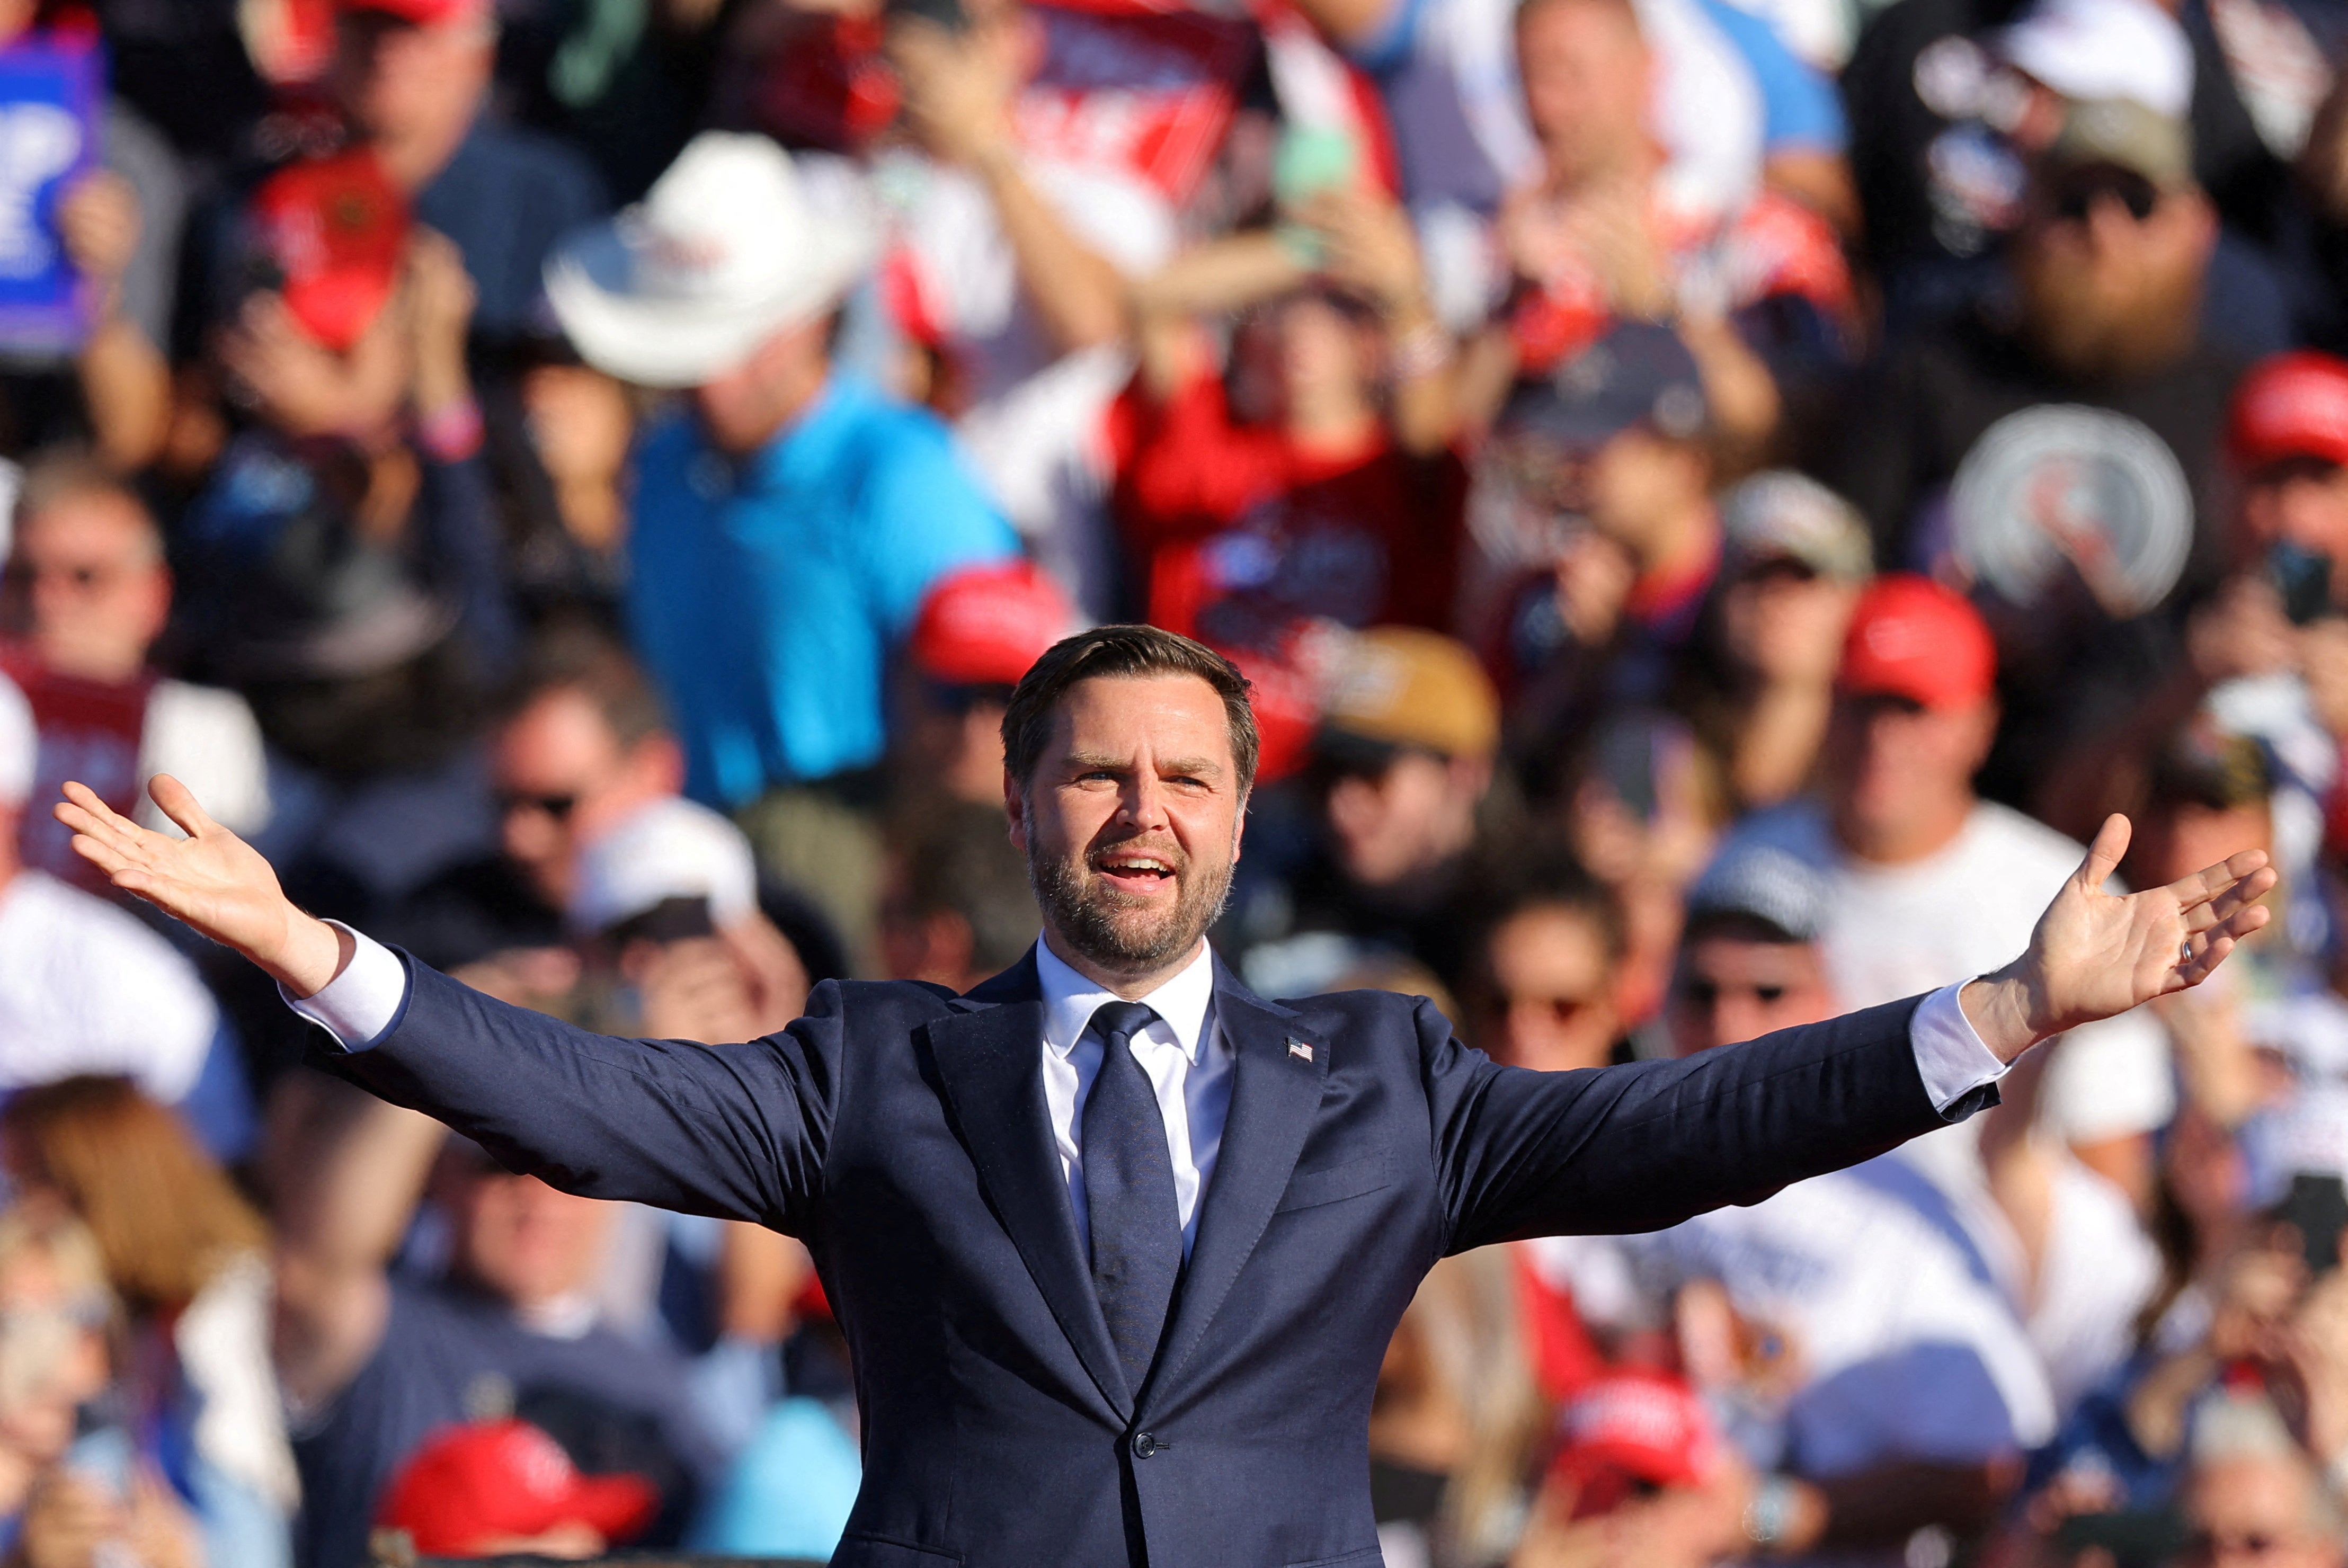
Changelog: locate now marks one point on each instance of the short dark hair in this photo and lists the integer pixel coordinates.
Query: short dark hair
(960, 861)
(574, 657)
(1128, 653)
(1548, 876)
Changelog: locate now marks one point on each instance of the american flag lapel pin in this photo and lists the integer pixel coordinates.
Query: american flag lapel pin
(1300, 1050)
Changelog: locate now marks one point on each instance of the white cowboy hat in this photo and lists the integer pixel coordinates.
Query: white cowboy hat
(731, 244)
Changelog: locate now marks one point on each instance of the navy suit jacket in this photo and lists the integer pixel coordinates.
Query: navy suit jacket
(900, 1131)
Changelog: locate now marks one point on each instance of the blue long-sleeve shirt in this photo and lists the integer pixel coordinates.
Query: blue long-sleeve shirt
(766, 593)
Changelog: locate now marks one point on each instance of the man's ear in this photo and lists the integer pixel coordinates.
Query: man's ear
(1238, 823)
(660, 762)
(1014, 806)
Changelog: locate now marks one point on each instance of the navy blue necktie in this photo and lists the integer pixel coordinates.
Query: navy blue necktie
(1137, 1226)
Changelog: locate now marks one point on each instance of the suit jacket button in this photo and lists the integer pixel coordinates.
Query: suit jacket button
(1144, 1445)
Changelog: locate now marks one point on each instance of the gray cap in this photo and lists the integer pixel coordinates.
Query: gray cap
(1762, 883)
(1785, 516)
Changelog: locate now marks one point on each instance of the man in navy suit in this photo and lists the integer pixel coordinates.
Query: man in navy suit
(1118, 1246)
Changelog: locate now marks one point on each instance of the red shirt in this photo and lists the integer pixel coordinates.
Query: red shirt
(1239, 533)
(90, 731)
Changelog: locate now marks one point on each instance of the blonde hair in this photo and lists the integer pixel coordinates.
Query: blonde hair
(35, 1339)
(164, 1217)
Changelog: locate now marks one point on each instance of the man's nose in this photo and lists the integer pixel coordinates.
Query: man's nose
(1735, 1019)
(1145, 801)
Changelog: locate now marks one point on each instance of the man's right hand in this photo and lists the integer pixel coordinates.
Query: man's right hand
(212, 879)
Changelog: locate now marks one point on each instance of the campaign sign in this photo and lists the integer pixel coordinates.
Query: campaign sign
(51, 92)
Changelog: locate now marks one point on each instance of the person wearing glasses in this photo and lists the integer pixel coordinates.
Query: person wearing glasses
(2253, 1498)
(594, 838)
(84, 595)
(1539, 986)
(1881, 1382)
(2061, 451)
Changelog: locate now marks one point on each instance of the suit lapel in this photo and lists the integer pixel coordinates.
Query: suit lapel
(991, 1063)
(1275, 1090)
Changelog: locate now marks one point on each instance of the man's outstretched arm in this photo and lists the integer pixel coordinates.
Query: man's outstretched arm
(732, 1130)
(1638, 1148)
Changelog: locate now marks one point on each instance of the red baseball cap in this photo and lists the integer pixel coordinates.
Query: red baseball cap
(985, 625)
(1629, 1425)
(421, 13)
(490, 1479)
(2291, 405)
(1911, 637)
(337, 229)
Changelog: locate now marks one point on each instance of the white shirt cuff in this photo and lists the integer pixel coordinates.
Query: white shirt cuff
(1949, 1050)
(359, 1005)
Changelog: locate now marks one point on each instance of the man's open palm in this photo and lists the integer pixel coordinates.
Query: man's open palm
(213, 881)
(2096, 953)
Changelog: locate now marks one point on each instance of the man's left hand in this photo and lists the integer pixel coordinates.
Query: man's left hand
(2096, 954)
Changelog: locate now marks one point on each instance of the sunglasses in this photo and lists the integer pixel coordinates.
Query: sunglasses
(1563, 1009)
(1705, 996)
(80, 579)
(2077, 196)
(558, 807)
(2252, 1545)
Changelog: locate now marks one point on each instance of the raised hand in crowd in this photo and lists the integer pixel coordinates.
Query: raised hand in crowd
(126, 381)
(303, 387)
(959, 87)
(98, 220)
(2322, 650)
(736, 984)
(1594, 575)
(2241, 632)
(74, 1522)
(2319, 1355)
(1368, 247)
(960, 91)
(437, 297)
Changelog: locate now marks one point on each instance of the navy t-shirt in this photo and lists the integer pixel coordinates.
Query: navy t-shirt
(442, 1350)
(507, 198)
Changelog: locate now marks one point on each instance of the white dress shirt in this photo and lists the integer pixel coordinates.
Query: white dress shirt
(1187, 1058)
(1184, 1052)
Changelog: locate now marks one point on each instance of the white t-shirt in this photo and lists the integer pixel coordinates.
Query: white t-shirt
(206, 738)
(1898, 931)
(2098, 1271)
(1905, 1343)
(85, 988)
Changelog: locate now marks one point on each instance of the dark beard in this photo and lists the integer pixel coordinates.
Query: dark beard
(1088, 920)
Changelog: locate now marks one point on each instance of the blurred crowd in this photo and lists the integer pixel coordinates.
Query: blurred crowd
(1716, 499)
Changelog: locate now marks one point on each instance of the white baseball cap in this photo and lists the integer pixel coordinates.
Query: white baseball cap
(20, 745)
(733, 244)
(2096, 49)
(667, 849)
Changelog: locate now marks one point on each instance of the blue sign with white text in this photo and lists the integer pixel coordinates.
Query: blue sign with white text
(51, 93)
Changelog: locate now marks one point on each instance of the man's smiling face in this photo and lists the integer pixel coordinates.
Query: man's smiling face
(1131, 823)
